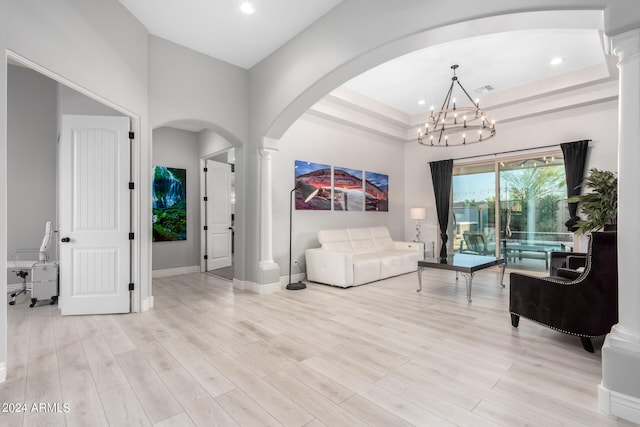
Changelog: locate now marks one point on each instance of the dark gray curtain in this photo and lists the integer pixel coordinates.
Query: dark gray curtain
(441, 176)
(575, 157)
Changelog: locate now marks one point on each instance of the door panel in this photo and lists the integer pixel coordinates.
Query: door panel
(94, 215)
(219, 233)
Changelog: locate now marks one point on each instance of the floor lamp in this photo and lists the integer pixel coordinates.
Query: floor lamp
(308, 192)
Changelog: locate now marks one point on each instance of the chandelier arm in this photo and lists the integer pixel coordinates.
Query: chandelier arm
(447, 98)
(466, 93)
(444, 108)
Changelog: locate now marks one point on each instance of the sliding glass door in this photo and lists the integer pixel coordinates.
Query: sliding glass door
(514, 207)
(474, 207)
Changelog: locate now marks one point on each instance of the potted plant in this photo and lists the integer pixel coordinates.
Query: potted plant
(601, 205)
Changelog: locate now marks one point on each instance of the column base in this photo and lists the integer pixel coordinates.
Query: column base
(619, 392)
(269, 278)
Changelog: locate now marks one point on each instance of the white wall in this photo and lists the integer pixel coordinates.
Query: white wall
(177, 148)
(211, 142)
(316, 140)
(556, 128)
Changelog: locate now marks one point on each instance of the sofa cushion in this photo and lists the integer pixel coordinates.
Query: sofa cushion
(361, 241)
(391, 264)
(366, 268)
(381, 238)
(335, 240)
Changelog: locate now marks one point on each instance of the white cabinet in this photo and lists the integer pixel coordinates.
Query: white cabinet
(44, 282)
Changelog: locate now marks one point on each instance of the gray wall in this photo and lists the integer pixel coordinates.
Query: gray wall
(72, 102)
(187, 87)
(179, 149)
(31, 150)
(35, 105)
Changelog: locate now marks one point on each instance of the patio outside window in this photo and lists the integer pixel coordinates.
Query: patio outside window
(517, 204)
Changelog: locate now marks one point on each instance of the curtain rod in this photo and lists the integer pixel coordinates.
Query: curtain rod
(514, 151)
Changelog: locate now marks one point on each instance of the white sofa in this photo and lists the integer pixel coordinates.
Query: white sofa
(354, 256)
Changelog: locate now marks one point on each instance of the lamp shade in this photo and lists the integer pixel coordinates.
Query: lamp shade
(418, 213)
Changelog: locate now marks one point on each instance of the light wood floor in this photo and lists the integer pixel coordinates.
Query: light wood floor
(379, 354)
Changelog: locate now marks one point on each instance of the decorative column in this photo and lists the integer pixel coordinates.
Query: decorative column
(266, 208)
(269, 270)
(619, 392)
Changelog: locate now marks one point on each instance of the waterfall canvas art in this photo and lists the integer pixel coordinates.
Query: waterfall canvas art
(169, 204)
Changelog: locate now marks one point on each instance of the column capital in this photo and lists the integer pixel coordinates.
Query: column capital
(266, 153)
(270, 144)
(626, 45)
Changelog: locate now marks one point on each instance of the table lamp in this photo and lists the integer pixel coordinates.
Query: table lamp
(418, 214)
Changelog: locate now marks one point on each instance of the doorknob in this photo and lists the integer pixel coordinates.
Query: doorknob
(65, 240)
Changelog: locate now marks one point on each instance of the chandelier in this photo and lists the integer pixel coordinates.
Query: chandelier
(454, 125)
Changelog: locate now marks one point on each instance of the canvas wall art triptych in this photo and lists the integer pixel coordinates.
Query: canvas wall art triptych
(342, 188)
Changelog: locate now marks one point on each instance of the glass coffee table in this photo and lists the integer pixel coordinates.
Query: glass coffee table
(465, 264)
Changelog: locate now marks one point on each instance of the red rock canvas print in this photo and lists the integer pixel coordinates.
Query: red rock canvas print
(348, 194)
(318, 175)
(376, 192)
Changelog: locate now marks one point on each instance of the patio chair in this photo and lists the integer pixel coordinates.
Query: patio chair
(476, 244)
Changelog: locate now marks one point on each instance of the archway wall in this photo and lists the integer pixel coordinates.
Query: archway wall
(189, 88)
(358, 35)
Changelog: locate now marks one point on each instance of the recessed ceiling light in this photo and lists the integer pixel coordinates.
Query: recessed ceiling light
(247, 8)
(422, 102)
(557, 61)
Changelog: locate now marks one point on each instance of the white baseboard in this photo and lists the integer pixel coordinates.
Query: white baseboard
(175, 271)
(618, 404)
(147, 304)
(3, 372)
(256, 288)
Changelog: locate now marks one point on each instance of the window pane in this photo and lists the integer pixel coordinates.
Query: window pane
(533, 210)
(474, 201)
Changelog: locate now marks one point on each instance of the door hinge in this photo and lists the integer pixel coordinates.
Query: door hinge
(132, 186)
(233, 168)
(132, 135)
(131, 286)
(206, 257)
(206, 198)
(206, 169)
(206, 228)
(131, 236)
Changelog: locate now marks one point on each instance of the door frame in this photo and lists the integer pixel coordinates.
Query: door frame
(203, 207)
(134, 165)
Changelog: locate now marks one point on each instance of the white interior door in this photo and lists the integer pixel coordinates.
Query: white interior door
(218, 215)
(94, 207)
